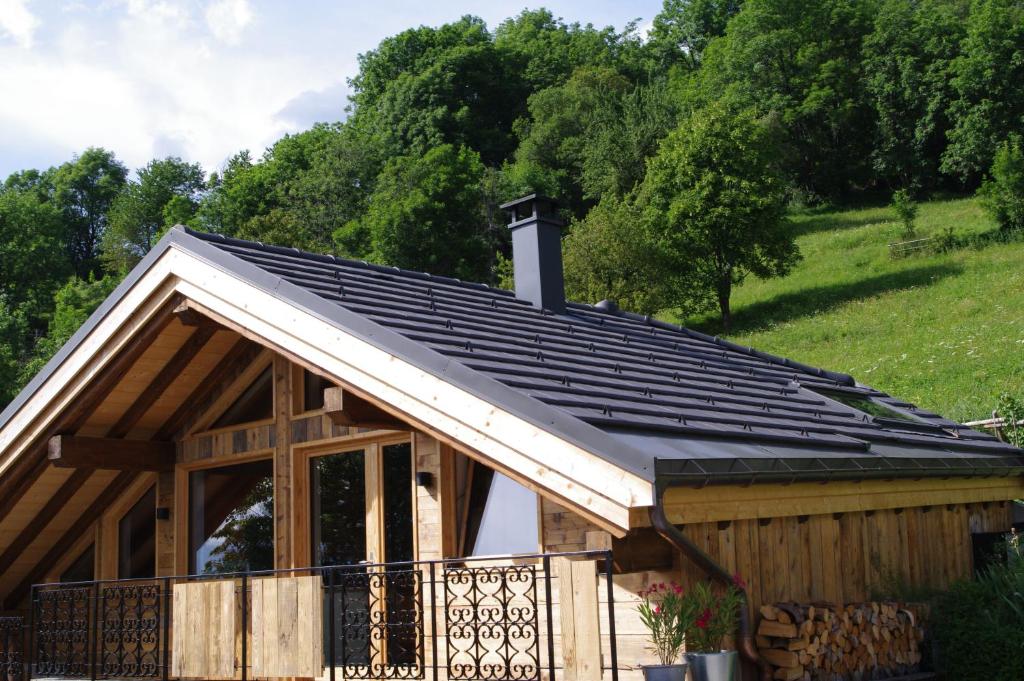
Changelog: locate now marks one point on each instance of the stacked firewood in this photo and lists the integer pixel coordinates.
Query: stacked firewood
(826, 642)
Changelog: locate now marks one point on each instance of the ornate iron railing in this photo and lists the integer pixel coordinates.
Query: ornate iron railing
(12, 647)
(387, 621)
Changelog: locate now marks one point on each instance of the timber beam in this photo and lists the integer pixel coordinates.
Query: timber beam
(347, 409)
(104, 453)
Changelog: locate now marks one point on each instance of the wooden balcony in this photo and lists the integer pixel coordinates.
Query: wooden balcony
(522, 618)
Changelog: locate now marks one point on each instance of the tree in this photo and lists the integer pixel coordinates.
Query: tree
(611, 254)
(1003, 194)
(908, 60)
(554, 140)
(716, 203)
(73, 303)
(33, 262)
(987, 75)
(426, 214)
(138, 216)
(684, 28)
(431, 86)
(801, 62)
(545, 51)
(84, 190)
(304, 188)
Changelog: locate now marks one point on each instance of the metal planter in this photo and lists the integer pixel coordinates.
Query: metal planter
(665, 672)
(723, 666)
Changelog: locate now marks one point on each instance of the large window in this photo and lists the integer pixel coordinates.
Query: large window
(231, 518)
(499, 516)
(136, 539)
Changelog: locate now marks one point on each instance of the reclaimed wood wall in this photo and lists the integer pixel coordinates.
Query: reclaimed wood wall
(846, 557)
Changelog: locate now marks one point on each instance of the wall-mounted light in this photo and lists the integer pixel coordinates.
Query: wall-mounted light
(424, 478)
(163, 513)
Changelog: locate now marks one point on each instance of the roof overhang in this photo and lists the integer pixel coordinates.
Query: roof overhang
(552, 452)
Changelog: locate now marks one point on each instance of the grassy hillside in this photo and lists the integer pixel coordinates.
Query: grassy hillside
(945, 331)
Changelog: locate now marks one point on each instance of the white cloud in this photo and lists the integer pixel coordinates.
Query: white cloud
(17, 22)
(227, 19)
(142, 81)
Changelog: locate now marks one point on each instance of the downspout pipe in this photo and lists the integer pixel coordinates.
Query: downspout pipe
(744, 634)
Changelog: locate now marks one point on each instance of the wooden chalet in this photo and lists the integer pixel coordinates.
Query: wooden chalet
(255, 462)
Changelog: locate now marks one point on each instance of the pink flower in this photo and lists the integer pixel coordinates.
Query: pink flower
(738, 581)
(678, 589)
(657, 610)
(705, 617)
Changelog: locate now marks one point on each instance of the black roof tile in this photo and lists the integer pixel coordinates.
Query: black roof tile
(622, 372)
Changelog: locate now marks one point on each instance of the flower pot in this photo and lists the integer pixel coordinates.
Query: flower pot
(664, 672)
(721, 666)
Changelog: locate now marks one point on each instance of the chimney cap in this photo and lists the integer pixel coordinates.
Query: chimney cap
(539, 198)
(532, 207)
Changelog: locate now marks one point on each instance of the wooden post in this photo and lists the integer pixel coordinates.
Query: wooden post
(578, 608)
(165, 483)
(283, 556)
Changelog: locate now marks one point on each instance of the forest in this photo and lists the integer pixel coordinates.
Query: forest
(677, 153)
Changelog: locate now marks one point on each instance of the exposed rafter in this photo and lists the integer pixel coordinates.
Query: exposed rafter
(44, 517)
(164, 378)
(73, 534)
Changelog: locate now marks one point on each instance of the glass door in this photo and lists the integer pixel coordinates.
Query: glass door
(361, 518)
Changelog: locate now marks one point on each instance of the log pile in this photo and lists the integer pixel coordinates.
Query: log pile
(825, 642)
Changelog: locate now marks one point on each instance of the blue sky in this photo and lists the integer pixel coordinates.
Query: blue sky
(203, 79)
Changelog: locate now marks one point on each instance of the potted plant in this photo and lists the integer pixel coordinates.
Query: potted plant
(667, 613)
(716, 616)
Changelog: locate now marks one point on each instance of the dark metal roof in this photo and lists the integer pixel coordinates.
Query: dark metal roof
(625, 373)
(649, 396)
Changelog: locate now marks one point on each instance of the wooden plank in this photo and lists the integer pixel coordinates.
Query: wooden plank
(43, 518)
(287, 627)
(733, 502)
(74, 451)
(579, 614)
(204, 630)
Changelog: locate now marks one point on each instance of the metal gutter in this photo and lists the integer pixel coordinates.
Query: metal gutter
(748, 471)
(744, 633)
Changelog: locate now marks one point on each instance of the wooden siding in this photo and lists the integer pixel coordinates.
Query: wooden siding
(843, 557)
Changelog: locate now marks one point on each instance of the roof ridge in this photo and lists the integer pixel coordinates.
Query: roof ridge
(337, 260)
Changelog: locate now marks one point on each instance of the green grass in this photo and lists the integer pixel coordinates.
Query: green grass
(945, 331)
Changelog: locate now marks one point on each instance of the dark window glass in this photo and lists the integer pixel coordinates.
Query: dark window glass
(867, 404)
(231, 518)
(256, 403)
(136, 539)
(398, 530)
(313, 387)
(398, 547)
(501, 517)
(338, 495)
(84, 567)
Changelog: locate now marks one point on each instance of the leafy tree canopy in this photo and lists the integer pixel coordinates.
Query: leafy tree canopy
(716, 203)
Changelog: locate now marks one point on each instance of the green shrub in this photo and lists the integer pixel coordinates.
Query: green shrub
(978, 626)
(1003, 194)
(906, 209)
(1011, 410)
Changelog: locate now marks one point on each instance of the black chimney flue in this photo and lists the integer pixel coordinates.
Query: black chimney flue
(537, 251)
